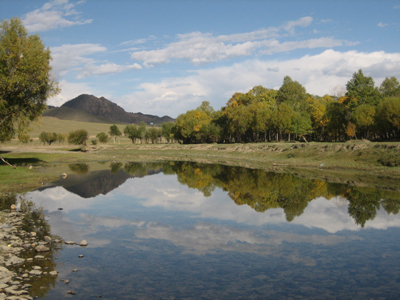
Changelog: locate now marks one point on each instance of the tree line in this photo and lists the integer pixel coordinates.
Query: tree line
(363, 111)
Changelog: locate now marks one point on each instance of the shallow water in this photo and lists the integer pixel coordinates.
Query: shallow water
(190, 231)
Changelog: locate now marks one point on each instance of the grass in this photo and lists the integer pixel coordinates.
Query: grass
(64, 126)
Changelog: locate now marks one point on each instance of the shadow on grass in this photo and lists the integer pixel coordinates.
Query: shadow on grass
(76, 149)
(21, 161)
(4, 152)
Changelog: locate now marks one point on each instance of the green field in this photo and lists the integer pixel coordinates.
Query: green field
(64, 126)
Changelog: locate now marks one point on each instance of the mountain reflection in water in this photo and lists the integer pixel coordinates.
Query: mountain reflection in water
(189, 230)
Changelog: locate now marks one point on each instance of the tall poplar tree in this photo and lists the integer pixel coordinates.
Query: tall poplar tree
(25, 78)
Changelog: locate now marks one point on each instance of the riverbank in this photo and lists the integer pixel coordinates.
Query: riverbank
(357, 161)
(25, 257)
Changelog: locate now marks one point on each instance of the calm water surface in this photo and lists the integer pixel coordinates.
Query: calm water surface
(189, 231)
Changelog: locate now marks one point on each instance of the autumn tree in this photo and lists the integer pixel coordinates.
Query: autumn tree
(25, 75)
(188, 126)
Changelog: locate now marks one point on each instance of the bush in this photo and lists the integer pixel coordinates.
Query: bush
(102, 137)
(78, 137)
(24, 138)
(48, 137)
(94, 142)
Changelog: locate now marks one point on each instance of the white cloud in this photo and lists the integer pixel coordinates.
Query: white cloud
(67, 57)
(380, 24)
(318, 73)
(108, 68)
(202, 48)
(303, 22)
(205, 238)
(53, 15)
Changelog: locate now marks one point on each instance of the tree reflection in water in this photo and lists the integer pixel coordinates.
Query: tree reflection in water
(263, 190)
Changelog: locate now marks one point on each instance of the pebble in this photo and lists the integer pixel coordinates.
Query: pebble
(13, 241)
(83, 243)
(41, 248)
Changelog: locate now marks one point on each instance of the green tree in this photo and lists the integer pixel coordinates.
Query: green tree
(282, 120)
(115, 132)
(153, 133)
(25, 78)
(364, 117)
(388, 117)
(142, 130)
(167, 130)
(390, 87)
(78, 137)
(292, 93)
(131, 131)
(207, 108)
(363, 89)
(102, 137)
(61, 137)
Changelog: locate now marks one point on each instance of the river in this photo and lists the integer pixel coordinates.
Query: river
(183, 230)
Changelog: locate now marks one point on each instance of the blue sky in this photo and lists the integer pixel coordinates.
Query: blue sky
(166, 57)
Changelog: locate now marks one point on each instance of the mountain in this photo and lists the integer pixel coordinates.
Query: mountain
(67, 113)
(92, 109)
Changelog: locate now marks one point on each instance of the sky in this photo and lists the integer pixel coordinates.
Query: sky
(165, 57)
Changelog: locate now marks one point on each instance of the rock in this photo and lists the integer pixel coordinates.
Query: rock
(39, 257)
(75, 270)
(41, 248)
(83, 243)
(13, 207)
(80, 256)
(5, 275)
(53, 273)
(33, 234)
(64, 175)
(36, 267)
(70, 242)
(35, 272)
(47, 239)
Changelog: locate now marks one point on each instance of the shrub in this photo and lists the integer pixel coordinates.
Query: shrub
(102, 137)
(94, 142)
(48, 137)
(24, 138)
(78, 137)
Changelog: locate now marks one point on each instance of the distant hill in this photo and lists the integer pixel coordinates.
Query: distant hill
(89, 108)
(67, 113)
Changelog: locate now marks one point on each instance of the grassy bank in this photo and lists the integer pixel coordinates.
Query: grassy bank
(358, 162)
